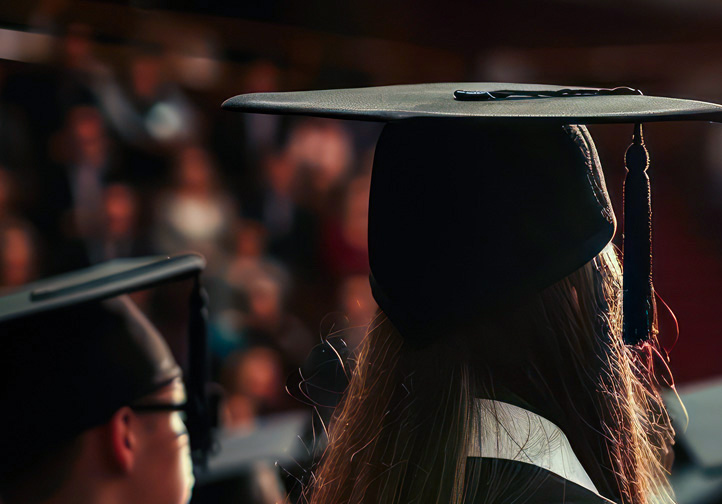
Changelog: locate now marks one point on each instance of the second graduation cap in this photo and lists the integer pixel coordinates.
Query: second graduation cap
(483, 193)
(74, 349)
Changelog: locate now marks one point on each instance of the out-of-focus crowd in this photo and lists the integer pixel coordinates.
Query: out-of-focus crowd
(110, 159)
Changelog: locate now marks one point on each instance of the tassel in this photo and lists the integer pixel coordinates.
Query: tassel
(638, 294)
(199, 407)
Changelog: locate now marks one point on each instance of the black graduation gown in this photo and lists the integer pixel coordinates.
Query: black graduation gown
(524, 483)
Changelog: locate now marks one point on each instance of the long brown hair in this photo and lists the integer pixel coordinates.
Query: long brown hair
(402, 430)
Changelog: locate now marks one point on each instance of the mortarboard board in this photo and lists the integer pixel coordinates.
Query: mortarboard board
(483, 192)
(75, 349)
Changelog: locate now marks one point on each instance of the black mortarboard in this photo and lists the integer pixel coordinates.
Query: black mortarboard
(74, 349)
(484, 192)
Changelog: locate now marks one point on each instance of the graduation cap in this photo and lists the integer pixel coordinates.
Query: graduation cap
(482, 193)
(74, 349)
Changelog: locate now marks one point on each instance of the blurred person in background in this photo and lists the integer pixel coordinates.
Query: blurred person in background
(229, 288)
(323, 152)
(251, 260)
(291, 229)
(242, 142)
(357, 303)
(153, 112)
(251, 243)
(81, 73)
(119, 233)
(304, 185)
(19, 262)
(253, 383)
(86, 164)
(19, 251)
(151, 115)
(269, 322)
(195, 212)
(15, 143)
(344, 243)
(70, 207)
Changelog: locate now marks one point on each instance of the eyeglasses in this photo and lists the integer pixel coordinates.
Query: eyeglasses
(159, 408)
(181, 409)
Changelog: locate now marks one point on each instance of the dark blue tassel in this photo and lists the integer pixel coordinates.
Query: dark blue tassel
(638, 299)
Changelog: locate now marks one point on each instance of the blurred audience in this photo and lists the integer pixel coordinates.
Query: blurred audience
(104, 158)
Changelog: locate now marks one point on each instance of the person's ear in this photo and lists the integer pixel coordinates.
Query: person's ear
(124, 442)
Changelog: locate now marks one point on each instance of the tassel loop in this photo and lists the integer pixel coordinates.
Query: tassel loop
(637, 158)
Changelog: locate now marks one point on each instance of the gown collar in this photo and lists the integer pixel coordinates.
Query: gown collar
(503, 431)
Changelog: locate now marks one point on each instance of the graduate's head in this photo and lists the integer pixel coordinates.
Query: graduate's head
(92, 398)
(492, 265)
